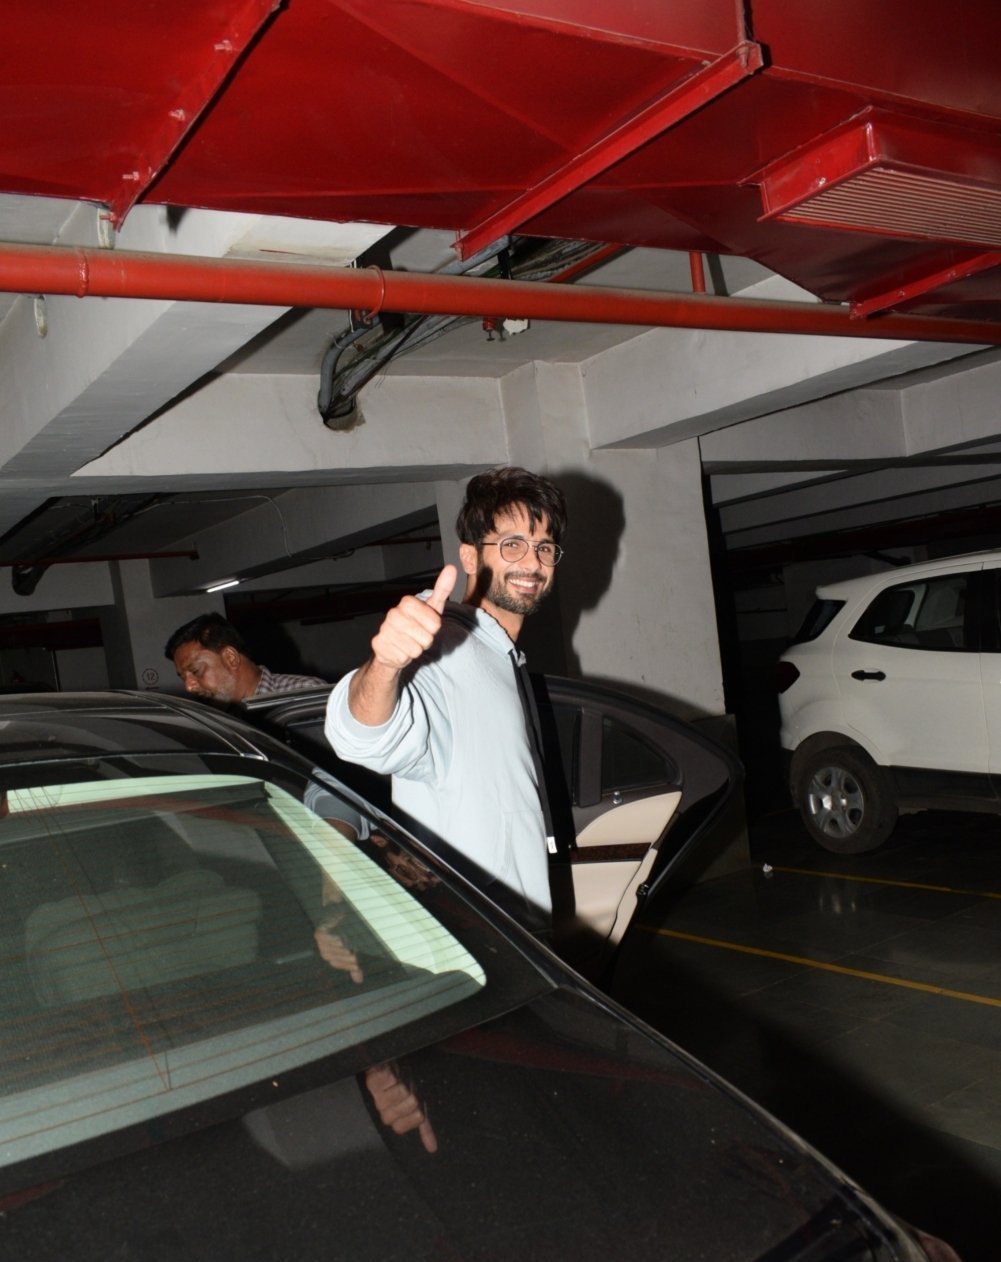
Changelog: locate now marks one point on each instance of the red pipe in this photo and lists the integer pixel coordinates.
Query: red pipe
(37, 269)
(698, 271)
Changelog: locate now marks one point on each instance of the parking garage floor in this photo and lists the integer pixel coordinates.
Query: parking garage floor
(858, 999)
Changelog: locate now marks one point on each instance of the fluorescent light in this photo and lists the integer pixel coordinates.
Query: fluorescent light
(230, 582)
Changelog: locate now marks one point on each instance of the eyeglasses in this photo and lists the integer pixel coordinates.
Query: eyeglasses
(514, 547)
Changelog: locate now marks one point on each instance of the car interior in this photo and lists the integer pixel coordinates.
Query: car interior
(929, 615)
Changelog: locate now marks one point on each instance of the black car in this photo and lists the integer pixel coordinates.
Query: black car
(214, 958)
(638, 796)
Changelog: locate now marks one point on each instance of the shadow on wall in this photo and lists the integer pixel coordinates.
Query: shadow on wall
(596, 522)
(596, 525)
(270, 644)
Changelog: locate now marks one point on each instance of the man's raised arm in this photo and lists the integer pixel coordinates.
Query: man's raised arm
(406, 632)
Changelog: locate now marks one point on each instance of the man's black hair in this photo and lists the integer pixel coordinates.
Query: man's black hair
(491, 494)
(211, 631)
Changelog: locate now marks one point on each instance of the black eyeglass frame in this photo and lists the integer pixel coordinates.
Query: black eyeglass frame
(525, 545)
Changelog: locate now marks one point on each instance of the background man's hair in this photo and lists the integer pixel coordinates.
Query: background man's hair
(490, 494)
(211, 630)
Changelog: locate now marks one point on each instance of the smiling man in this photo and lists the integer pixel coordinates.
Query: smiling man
(442, 705)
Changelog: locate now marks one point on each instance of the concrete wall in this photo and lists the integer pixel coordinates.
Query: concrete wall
(60, 587)
(633, 602)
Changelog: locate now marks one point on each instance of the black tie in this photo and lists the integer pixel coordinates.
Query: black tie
(533, 730)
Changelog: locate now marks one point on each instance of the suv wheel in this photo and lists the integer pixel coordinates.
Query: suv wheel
(845, 800)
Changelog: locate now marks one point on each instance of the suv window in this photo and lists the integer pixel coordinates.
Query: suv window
(925, 614)
(820, 616)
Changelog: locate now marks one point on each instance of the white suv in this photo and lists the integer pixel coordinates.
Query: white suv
(890, 698)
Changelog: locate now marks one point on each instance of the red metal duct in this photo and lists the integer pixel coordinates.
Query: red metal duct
(599, 121)
(916, 289)
(119, 274)
(676, 103)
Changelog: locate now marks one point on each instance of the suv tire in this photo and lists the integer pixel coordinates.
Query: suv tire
(845, 800)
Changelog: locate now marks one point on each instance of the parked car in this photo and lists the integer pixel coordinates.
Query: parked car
(635, 792)
(890, 699)
(189, 1069)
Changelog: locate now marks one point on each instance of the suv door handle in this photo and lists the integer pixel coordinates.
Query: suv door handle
(868, 674)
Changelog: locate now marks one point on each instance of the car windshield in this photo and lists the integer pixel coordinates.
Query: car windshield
(169, 939)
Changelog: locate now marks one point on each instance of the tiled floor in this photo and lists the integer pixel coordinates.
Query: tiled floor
(859, 999)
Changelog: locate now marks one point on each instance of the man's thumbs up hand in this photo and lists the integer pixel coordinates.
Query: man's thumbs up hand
(411, 626)
(442, 588)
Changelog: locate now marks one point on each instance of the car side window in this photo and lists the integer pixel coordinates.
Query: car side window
(820, 616)
(929, 613)
(628, 761)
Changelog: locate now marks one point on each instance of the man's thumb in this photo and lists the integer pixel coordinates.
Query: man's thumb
(443, 588)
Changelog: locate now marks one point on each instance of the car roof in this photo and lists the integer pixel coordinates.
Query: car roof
(845, 589)
(41, 726)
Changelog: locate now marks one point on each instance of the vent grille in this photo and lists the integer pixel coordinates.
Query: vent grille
(899, 203)
(896, 178)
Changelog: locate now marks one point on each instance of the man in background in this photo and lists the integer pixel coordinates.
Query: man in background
(211, 661)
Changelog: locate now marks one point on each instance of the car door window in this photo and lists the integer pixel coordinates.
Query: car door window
(630, 762)
(931, 613)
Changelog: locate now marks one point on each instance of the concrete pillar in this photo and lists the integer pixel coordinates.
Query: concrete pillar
(634, 591)
(150, 620)
(633, 603)
(448, 499)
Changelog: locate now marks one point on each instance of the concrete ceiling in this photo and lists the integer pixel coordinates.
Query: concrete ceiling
(181, 138)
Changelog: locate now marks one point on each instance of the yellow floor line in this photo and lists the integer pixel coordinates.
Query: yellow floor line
(827, 968)
(881, 880)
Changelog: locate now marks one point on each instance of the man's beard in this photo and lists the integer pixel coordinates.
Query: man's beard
(504, 597)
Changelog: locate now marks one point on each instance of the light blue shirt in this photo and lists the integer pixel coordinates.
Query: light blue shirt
(457, 749)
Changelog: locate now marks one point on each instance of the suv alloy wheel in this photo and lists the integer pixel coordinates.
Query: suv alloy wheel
(844, 800)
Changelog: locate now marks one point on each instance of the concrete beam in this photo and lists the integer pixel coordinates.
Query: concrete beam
(92, 370)
(668, 385)
(284, 532)
(842, 503)
(263, 426)
(858, 425)
(954, 409)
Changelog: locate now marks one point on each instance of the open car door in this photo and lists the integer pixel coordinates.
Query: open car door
(632, 791)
